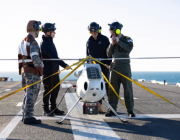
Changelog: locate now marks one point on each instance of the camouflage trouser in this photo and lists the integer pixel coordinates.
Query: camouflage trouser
(31, 94)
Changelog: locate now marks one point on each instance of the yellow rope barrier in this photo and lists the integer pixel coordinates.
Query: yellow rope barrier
(112, 87)
(138, 84)
(66, 77)
(42, 79)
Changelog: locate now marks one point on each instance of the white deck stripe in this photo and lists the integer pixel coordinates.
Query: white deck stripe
(66, 85)
(19, 104)
(123, 98)
(11, 125)
(7, 89)
(87, 127)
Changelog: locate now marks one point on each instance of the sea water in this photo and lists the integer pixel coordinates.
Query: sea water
(170, 77)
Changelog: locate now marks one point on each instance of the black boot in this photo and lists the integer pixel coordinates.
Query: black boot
(31, 120)
(109, 113)
(47, 112)
(131, 114)
(56, 110)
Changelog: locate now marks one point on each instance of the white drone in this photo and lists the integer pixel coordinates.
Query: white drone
(90, 86)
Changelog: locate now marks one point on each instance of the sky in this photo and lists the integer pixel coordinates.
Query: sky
(154, 26)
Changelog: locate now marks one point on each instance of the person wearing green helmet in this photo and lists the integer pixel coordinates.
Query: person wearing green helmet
(120, 47)
(49, 51)
(96, 47)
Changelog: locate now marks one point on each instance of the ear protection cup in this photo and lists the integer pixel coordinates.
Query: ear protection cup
(41, 28)
(118, 31)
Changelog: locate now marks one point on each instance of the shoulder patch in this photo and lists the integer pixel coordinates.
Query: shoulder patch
(129, 39)
(35, 43)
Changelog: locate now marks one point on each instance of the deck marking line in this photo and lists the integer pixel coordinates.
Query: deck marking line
(87, 128)
(10, 127)
(133, 98)
(66, 85)
(12, 85)
(7, 89)
(19, 104)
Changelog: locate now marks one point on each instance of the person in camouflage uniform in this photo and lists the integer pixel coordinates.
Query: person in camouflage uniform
(120, 47)
(31, 68)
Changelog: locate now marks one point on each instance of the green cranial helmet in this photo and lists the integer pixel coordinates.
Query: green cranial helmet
(116, 26)
(94, 27)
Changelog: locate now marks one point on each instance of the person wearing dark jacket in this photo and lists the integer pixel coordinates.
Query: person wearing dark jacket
(96, 46)
(50, 67)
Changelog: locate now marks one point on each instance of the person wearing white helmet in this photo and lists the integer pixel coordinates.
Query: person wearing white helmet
(31, 68)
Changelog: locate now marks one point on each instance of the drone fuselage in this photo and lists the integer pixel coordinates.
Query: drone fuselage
(90, 84)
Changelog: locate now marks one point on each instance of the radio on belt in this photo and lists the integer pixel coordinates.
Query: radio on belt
(90, 108)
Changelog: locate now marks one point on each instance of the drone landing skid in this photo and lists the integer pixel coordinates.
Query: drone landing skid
(114, 110)
(60, 122)
(70, 110)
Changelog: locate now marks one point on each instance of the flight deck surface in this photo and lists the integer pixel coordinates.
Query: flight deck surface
(155, 118)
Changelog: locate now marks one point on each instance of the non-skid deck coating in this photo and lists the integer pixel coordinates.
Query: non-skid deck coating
(156, 119)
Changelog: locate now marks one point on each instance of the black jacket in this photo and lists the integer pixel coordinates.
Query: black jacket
(97, 48)
(49, 52)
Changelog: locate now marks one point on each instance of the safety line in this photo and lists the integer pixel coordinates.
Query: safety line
(105, 58)
(41, 80)
(62, 80)
(66, 76)
(138, 58)
(112, 87)
(138, 84)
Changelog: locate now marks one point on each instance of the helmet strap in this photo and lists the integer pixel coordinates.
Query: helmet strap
(49, 34)
(37, 33)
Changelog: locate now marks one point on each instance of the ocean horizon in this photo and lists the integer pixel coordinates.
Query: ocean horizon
(171, 77)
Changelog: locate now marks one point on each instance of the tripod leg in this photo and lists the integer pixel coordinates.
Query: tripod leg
(69, 110)
(113, 110)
